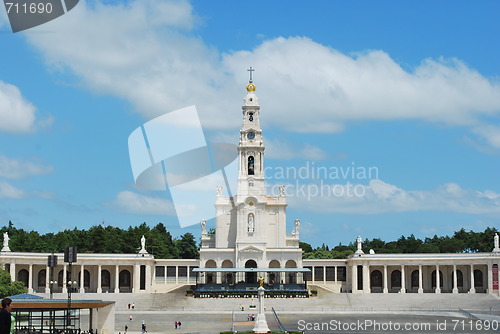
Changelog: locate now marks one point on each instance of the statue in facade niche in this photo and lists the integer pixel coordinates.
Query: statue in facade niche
(251, 223)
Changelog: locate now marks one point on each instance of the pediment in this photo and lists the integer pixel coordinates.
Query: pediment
(251, 249)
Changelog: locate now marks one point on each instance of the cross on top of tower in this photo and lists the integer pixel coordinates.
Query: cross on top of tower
(251, 70)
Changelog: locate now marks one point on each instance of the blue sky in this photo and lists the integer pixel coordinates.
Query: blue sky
(410, 88)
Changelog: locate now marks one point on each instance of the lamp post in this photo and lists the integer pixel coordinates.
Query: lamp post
(69, 257)
(52, 263)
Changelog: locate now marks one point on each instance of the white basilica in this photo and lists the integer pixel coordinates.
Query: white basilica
(251, 226)
(251, 240)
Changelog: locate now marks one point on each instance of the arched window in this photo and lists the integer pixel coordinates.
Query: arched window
(251, 165)
(460, 279)
(376, 279)
(42, 274)
(124, 279)
(478, 278)
(396, 279)
(414, 279)
(105, 278)
(250, 117)
(86, 279)
(22, 276)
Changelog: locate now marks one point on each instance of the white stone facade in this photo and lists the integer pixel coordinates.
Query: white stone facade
(251, 226)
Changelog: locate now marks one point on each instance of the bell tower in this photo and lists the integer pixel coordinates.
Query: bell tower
(251, 226)
(251, 180)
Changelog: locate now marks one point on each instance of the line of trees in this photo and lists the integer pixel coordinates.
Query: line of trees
(461, 242)
(109, 239)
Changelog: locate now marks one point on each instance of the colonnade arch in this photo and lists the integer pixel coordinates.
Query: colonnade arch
(421, 278)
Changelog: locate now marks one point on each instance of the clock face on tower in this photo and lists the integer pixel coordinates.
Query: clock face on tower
(251, 135)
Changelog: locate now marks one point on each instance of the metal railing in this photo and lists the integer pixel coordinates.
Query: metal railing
(280, 325)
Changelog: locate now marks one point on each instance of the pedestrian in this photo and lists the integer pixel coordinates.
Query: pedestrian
(5, 317)
(133, 306)
(129, 306)
(179, 324)
(175, 324)
(126, 328)
(130, 318)
(143, 328)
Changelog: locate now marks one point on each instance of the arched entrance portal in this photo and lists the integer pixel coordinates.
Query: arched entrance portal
(376, 281)
(124, 281)
(251, 277)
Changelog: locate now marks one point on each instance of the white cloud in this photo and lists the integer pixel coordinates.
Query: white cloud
(9, 191)
(131, 202)
(380, 197)
(284, 150)
(327, 87)
(144, 52)
(489, 133)
(17, 114)
(17, 169)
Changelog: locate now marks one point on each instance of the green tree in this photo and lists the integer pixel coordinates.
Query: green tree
(9, 288)
(306, 248)
(186, 246)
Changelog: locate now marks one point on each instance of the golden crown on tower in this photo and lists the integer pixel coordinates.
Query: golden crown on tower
(251, 87)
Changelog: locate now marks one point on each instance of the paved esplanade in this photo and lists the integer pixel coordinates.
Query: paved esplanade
(160, 311)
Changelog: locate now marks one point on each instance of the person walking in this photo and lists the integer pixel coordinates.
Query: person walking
(6, 322)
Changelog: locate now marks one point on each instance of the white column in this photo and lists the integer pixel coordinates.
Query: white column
(13, 272)
(137, 276)
(455, 276)
(420, 283)
(30, 279)
(148, 278)
(438, 280)
(82, 279)
(335, 273)
(403, 279)
(354, 278)
(490, 277)
(324, 274)
(385, 279)
(65, 280)
(117, 279)
(366, 278)
(47, 280)
(188, 276)
(313, 276)
(99, 286)
(217, 276)
(472, 284)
